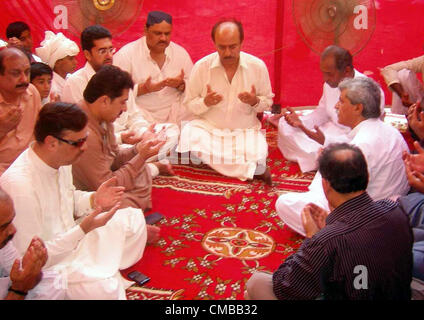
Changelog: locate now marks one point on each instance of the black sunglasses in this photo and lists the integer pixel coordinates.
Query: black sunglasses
(78, 144)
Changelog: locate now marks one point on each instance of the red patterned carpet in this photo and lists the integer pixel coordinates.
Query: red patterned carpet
(217, 231)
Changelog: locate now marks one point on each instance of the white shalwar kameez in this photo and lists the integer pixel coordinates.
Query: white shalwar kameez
(228, 136)
(57, 85)
(75, 84)
(47, 204)
(163, 105)
(382, 146)
(296, 146)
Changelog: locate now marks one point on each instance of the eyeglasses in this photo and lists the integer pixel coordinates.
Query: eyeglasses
(103, 51)
(78, 144)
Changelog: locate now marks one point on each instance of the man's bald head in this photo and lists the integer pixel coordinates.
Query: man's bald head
(344, 167)
(342, 57)
(228, 25)
(10, 53)
(7, 213)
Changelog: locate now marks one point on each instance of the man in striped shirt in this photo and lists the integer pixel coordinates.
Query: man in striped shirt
(361, 250)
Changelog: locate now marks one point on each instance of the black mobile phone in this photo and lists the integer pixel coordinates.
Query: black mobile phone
(154, 217)
(138, 277)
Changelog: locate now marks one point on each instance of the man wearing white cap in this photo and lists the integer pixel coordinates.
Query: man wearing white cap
(60, 54)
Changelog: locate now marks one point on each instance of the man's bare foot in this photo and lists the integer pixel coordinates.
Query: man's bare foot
(165, 169)
(275, 119)
(266, 177)
(153, 234)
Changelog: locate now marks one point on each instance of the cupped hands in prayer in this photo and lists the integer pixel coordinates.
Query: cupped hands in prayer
(9, 119)
(212, 98)
(249, 97)
(26, 275)
(313, 219)
(108, 194)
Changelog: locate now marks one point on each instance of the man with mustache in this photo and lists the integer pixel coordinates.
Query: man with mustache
(160, 68)
(96, 43)
(19, 105)
(104, 100)
(226, 90)
(22, 278)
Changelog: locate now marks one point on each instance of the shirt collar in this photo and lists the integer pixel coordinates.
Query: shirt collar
(355, 130)
(216, 62)
(91, 119)
(89, 70)
(39, 163)
(345, 208)
(146, 50)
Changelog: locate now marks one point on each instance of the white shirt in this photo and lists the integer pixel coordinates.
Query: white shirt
(46, 203)
(57, 84)
(230, 113)
(76, 83)
(135, 58)
(326, 111)
(382, 146)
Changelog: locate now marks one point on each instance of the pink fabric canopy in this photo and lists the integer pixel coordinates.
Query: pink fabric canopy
(270, 33)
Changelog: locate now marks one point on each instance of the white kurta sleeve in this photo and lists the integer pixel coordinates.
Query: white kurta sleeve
(390, 72)
(264, 90)
(29, 222)
(194, 99)
(319, 116)
(73, 90)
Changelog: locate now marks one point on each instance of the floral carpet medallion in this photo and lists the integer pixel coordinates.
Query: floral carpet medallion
(217, 231)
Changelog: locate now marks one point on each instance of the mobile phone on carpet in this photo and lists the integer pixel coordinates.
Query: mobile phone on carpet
(138, 277)
(154, 217)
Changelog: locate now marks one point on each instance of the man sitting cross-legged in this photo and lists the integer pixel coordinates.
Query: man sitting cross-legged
(382, 145)
(361, 250)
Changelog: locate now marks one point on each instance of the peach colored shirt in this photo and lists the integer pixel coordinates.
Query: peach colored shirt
(104, 159)
(18, 139)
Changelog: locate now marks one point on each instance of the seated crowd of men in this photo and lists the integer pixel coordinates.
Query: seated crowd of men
(79, 150)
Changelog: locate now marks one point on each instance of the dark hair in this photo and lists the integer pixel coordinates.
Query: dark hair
(10, 52)
(108, 81)
(344, 167)
(15, 29)
(38, 69)
(56, 117)
(236, 22)
(342, 57)
(92, 33)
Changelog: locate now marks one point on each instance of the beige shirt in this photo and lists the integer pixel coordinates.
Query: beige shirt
(104, 159)
(17, 140)
(390, 73)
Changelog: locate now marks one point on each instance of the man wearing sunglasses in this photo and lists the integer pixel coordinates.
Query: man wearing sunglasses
(90, 251)
(96, 43)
